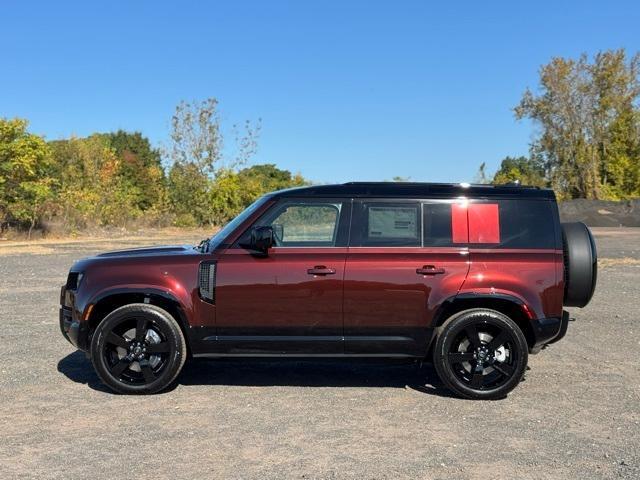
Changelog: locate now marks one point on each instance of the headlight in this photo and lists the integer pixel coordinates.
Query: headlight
(73, 280)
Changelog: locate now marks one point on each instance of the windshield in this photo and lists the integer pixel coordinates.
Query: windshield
(219, 237)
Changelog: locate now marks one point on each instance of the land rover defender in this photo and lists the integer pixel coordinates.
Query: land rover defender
(471, 277)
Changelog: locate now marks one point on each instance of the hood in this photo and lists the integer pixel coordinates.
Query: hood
(150, 251)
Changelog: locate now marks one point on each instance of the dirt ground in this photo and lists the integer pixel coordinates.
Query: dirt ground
(577, 415)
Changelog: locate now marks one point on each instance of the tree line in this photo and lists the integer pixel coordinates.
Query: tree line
(587, 119)
(586, 116)
(118, 178)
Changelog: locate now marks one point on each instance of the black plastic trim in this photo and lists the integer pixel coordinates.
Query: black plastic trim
(545, 330)
(307, 355)
(416, 190)
(563, 327)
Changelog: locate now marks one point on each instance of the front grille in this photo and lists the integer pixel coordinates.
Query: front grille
(207, 281)
(72, 280)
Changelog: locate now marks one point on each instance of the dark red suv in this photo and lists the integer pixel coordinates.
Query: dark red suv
(472, 277)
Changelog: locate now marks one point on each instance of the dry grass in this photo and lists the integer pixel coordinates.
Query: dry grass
(105, 241)
(22, 249)
(614, 262)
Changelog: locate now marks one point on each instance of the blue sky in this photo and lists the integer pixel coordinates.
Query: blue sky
(345, 90)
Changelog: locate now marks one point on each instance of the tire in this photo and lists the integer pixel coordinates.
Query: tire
(138, 349)
(580, 264)
(470, 336)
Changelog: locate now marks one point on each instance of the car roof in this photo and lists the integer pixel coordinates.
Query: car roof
(416, 190)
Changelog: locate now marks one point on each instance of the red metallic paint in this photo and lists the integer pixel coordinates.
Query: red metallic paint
(276, 293)
(528, 274)
(383, 294)
(174, 276)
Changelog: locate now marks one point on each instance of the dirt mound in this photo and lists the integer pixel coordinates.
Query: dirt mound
(600, 213)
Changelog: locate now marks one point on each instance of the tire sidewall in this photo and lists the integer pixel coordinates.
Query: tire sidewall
(448, 332)
(162, 320)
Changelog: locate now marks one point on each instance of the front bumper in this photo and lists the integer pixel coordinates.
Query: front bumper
(74, 330)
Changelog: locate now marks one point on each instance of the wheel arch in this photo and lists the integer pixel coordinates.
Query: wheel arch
(110, 300)
(509, 305)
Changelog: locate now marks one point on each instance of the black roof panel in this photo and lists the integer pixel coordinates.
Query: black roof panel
(416, 190)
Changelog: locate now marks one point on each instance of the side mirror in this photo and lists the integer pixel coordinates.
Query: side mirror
(262, 239)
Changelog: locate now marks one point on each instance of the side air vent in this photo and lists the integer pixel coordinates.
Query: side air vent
(207, 281)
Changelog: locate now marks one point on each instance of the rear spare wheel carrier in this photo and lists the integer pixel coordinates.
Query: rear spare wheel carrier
(580, 264)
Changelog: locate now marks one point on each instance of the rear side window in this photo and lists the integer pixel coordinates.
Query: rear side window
(499, 224)
(526, 224)
(438, 225)
(387, 224)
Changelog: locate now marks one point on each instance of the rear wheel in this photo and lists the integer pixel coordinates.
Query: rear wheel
(480, 354)
(138, 349)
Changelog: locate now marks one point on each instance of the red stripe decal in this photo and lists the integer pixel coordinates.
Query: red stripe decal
(459, 227)
(484, 223)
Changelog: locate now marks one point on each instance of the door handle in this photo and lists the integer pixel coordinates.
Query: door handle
(429, 270)
(321, 270)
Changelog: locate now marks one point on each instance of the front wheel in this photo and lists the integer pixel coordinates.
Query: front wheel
(480, 354)
(138, 349)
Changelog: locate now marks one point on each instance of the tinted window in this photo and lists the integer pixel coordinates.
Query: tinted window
(387, 224)
(526, 224)
(437, 224)
(499, 224)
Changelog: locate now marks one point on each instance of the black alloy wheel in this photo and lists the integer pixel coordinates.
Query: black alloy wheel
(138, 348)
(480, 354)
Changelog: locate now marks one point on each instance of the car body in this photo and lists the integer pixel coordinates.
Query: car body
(351, 270)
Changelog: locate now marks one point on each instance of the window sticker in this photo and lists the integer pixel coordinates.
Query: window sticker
(393, 222)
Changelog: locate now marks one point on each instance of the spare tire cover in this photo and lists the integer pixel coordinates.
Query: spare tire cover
(580, 264)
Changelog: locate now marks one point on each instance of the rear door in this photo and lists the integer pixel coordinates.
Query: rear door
(401, 264)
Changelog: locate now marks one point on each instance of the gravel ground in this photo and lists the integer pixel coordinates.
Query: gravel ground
(577, 415)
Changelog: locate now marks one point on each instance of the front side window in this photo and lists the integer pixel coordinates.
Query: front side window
(300, 225)
(304, 223)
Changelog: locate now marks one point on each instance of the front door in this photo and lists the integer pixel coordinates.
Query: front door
(402, 263)
(289, 302)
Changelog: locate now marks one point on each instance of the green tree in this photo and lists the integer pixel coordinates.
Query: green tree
(528, 171)
(140, 169)
(189, 195)
(587, 113)
(25, 181)
(92, 190)
(201, 174)
(267, 178)
(108, 179)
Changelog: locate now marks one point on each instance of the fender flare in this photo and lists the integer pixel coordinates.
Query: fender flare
(440, 314)
(145, 292)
